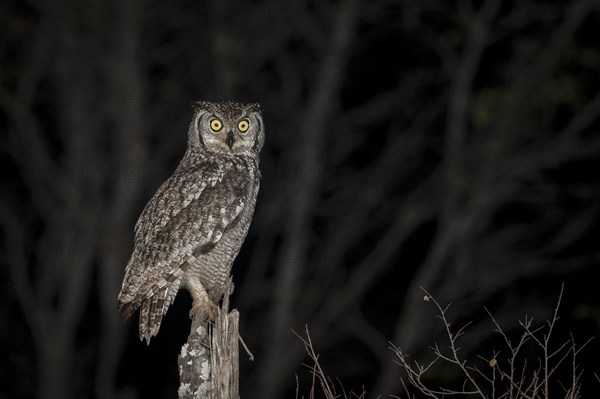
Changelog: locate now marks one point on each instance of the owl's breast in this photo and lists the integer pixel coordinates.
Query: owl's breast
(214, 267)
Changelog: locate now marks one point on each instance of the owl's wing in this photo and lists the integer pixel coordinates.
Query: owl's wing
(185, 219)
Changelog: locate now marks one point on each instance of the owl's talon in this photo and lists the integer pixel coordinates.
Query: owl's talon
(208, 307)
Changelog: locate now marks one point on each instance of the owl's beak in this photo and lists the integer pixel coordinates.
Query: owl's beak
(230, 139)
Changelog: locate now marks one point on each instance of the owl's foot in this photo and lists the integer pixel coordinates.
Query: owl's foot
(207, 306)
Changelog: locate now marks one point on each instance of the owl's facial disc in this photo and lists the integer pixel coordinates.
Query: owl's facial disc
(228, 134)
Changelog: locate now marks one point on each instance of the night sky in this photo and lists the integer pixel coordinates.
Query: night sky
(417, 152)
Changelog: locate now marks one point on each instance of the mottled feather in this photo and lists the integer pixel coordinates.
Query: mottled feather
(168, 242)
(191, 230)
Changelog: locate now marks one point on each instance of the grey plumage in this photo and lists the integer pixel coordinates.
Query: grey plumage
(192, 229)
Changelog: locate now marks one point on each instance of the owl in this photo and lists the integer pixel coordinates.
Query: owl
(190, 232)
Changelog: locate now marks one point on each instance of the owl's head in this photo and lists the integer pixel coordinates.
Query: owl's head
(227, 127)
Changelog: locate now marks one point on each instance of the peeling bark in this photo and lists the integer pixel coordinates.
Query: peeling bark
(209, 360)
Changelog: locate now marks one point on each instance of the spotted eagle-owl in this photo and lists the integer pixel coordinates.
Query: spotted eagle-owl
(193, 227)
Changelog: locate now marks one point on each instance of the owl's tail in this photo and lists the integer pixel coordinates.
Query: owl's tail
(151, 314)
(127, 308)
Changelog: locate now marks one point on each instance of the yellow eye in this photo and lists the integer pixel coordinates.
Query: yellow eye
(243, 125)
(216, 125)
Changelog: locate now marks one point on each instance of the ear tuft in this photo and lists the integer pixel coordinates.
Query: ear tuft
(254, 107)
(200, 105)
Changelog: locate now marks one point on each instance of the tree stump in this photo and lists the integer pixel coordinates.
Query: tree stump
(209, 360)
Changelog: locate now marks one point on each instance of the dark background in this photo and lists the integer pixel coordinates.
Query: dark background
(447, 145)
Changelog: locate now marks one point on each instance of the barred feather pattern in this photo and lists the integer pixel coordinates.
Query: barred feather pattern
(190, 231)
